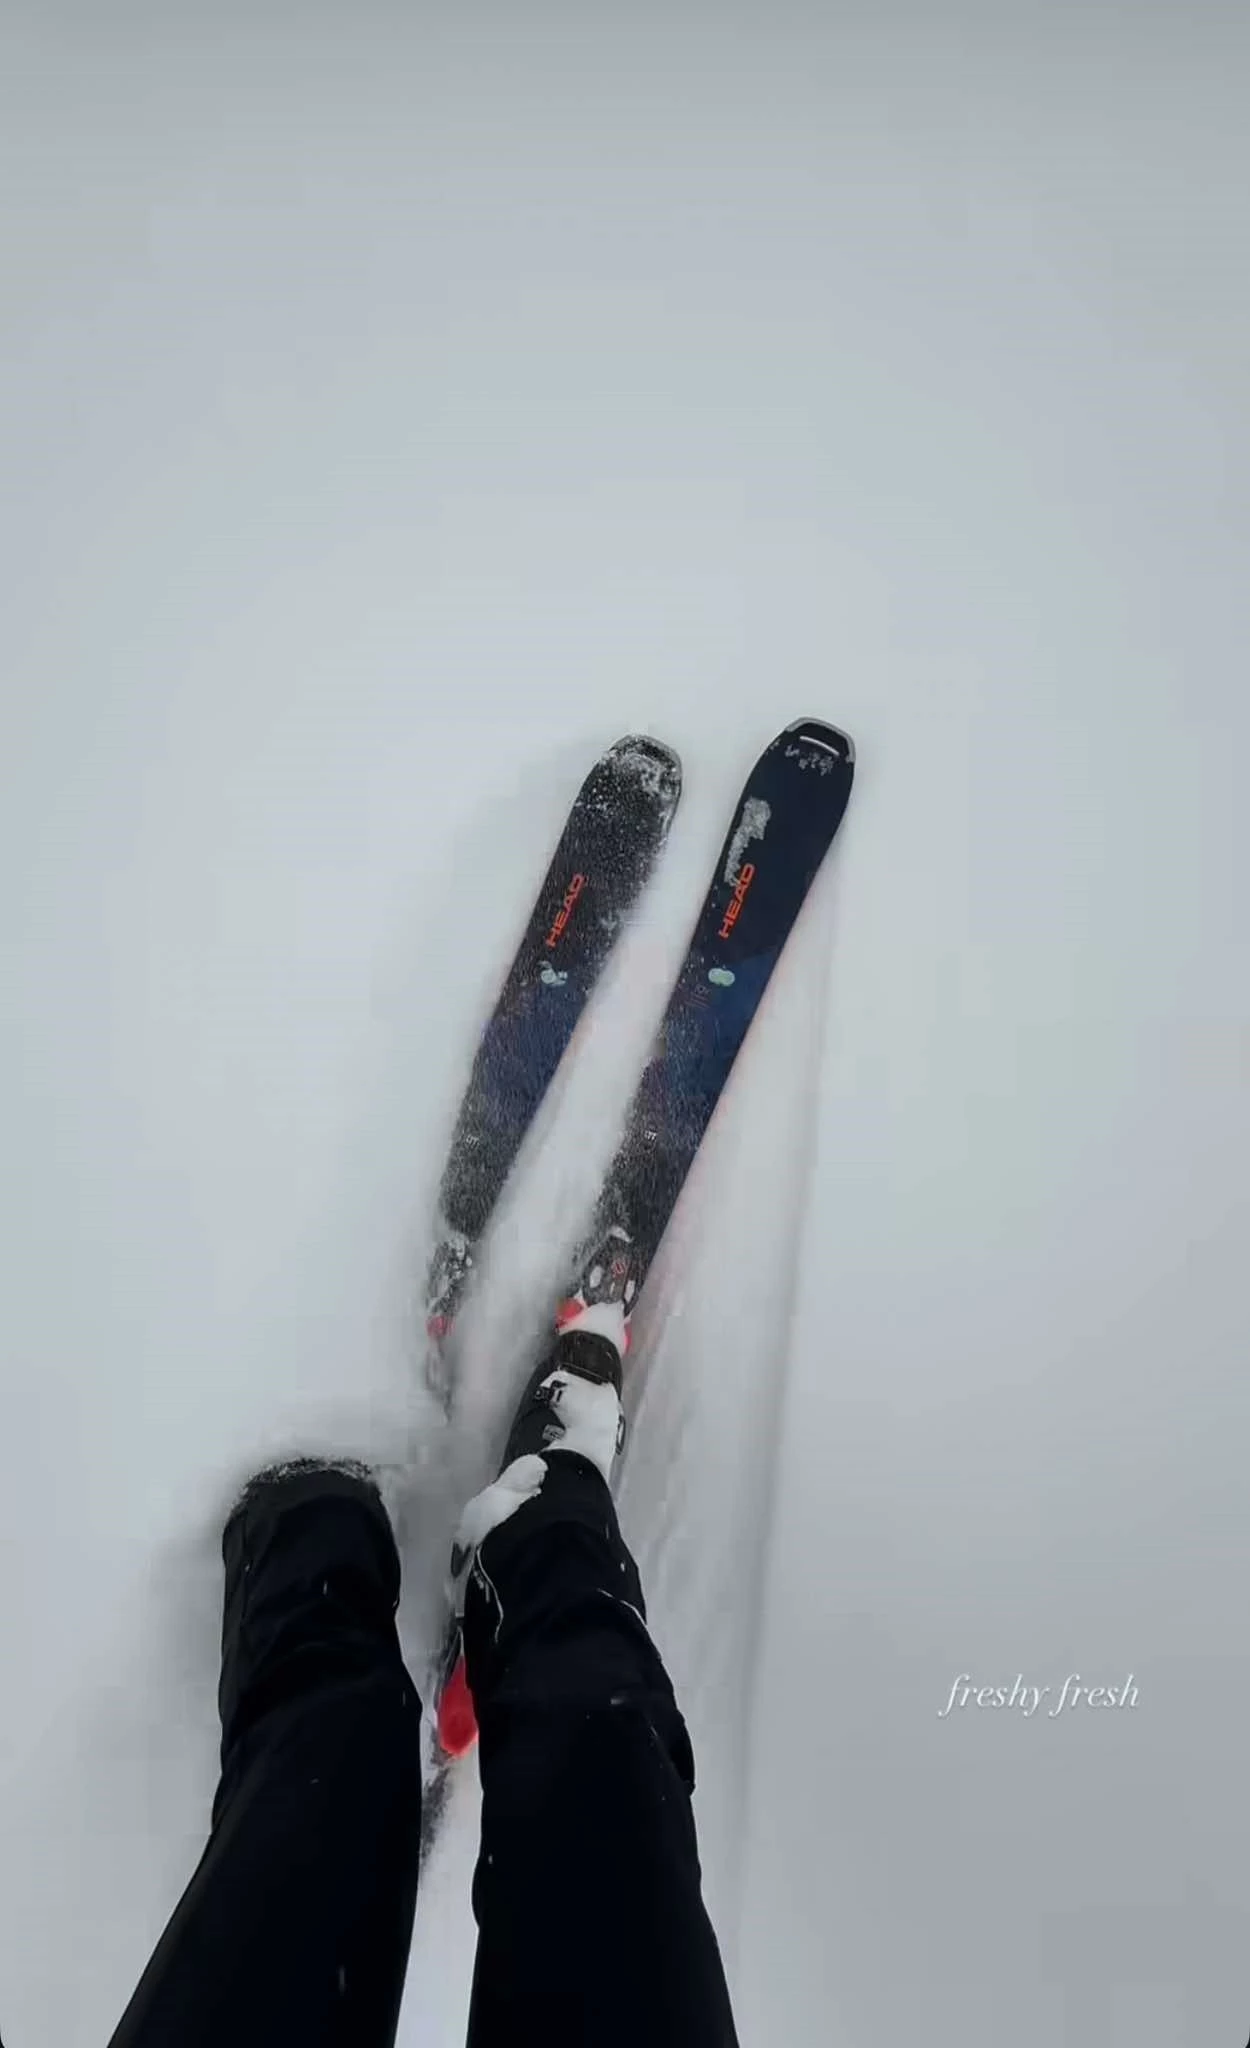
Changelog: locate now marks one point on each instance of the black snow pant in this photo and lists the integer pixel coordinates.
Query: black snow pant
(297, 1923)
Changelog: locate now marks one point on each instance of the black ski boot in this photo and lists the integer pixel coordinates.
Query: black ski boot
(554, 1407)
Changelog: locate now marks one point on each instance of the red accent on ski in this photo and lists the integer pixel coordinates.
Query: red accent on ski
(457, 1715)
(567, 1313)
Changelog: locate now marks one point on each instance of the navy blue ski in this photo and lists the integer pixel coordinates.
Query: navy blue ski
(614, 832)
(784, 825)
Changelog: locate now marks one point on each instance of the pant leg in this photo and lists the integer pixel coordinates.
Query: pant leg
(592, 1927)
(297, 1923)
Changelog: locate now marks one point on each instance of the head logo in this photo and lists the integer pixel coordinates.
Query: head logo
(746, 875)
(565, 911)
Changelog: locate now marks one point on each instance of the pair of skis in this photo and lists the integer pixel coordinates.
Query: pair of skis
(784, 823)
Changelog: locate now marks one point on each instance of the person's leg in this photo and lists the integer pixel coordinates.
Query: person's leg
(592, 1927)
(297, 1923)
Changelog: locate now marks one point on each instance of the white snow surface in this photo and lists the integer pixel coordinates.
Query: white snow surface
(399, 405)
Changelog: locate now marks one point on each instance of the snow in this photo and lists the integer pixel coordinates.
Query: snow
(519, 1482)
(398, 407)
(657, 775)
(752, 825)
(591, 1419)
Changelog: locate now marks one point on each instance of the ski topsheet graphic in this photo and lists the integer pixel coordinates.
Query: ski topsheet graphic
(783, 825)
(614, 831)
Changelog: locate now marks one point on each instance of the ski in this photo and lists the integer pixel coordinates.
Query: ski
(784, 824)
(615, 830)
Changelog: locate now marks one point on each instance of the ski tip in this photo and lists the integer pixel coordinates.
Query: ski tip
(820, 734)
(646, 743)
(657, 766)
(457, 1716)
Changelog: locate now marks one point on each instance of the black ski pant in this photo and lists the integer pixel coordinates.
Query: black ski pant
(297, 1923)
